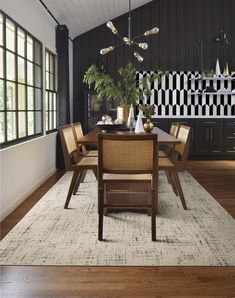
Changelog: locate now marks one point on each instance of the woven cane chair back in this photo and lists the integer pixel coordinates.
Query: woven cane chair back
(129, 154)
(183, 136)
(70, 151)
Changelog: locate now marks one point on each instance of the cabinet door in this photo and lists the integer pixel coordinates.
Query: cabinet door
(202, 139)
(229, 137)
(216, 140)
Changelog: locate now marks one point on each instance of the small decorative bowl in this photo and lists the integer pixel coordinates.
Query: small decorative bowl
(107, 127)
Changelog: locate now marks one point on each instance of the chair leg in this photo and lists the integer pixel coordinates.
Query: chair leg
(83, 175)
(77, 183)
(173, 185)
(167, 176)
(71, 187)
(175, 177)
(95, 173)
(149, 200)
(153, 215)
(101, 211)
(105, 199)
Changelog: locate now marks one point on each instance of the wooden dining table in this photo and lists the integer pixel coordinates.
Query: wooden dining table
(164, 138)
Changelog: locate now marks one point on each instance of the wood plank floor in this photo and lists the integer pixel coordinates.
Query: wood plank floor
(217, 177)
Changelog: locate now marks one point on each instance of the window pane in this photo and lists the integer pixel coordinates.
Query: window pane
(1, 63)
(38, 99)
(2, 127)
(47, 80)
(11, 96)
(29, 48)
(50, 101)
(38, 122)
(21, 42)
(1, 29)
(30, 73)
(52, 86)
(37, 71)
(51, 64)
(46, 100)
(47, 128)
(21, 70)
(22, 124)
(55, 115)
(21, 97)
(51, 120)
(1, 95)
(30, 98)
(37, 47)
(11, 126)
(55, 103)
(10, 66)
(10, 35)
(30, 123)
(47, 62)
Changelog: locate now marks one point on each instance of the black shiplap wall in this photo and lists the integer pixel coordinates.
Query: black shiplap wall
(183, 25)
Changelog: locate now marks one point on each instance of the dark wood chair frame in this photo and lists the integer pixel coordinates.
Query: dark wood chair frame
(72, 164)
(172, 172)
(152, 203)
(84, 153)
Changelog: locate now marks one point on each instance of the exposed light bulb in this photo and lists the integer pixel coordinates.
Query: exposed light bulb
(106, 50)
(143, 45)
(139, 58)
(155, 30)
(126, 39)
(111, 27)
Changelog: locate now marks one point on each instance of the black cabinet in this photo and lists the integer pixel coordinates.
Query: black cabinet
(209, 137)
(229, 137)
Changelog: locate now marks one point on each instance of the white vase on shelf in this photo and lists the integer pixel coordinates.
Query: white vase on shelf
(217, 68)
(139, 127)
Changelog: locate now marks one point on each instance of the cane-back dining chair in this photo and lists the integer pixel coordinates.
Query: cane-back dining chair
(79, 133)
(74, 161)
(174, 133)
(173, 166)
(127, 158)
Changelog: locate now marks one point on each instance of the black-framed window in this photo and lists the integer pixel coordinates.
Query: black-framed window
(51, 91)
(20, 83)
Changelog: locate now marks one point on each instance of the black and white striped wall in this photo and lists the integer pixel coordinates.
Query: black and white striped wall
(175, 95)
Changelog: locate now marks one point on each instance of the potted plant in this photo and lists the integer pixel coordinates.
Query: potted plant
(125, 90)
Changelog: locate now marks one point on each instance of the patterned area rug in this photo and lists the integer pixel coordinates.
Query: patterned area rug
(204, 235)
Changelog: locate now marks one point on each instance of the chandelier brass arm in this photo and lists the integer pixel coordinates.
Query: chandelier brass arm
(130, 41)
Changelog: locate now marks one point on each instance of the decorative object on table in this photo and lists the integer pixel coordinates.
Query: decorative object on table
(106, 119)
(217, 68)
(107, 124)
(107, 127)
(148, 111)
(129, 41)
(125, 91)
(139, 123)
(131, 118)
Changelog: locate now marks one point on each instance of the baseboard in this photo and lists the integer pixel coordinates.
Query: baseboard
(24, 196)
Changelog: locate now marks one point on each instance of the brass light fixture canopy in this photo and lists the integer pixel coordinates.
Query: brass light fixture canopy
(129, 40)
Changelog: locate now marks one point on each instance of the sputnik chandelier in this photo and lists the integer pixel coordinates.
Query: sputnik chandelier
(129, 41)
